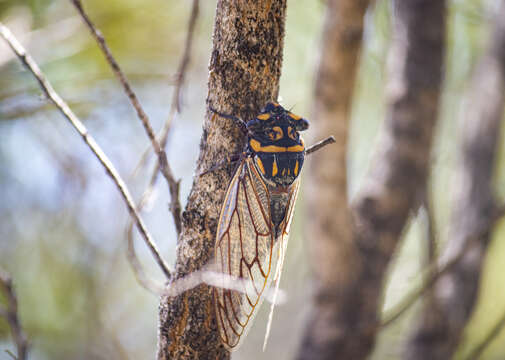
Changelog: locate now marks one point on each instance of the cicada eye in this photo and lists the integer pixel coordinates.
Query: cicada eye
(301, 125)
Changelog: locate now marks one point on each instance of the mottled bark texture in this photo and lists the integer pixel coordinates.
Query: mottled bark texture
(329, 230)
(245, 67)
(393, 185)
(456, 292)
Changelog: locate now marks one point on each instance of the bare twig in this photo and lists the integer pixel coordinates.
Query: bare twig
(30, 64)
(173, 184)
(186, 56)
(430, 250)
(175, 106)
(142, 278)
(431, 239)
(435, 271)
(329, 140)
(10, 313)
(180, 77)
(488, 339)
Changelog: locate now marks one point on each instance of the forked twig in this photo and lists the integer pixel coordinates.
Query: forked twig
(30, 64)
(175, 106)
(434, 272)
(10, 313)
(173, 184)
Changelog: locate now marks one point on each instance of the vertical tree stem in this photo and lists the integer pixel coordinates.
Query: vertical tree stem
(245, 67)
(393, 184)
(455, 294)
(329, 229)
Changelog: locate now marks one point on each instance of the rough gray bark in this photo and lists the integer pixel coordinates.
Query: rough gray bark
(245, 68)
(456, 292)
(329, 230)
(394, 184)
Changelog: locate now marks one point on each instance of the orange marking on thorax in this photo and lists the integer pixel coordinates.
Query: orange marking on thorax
(256, 146)
(274, 168)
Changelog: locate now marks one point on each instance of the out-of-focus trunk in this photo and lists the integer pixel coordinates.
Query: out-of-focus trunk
(448, 311)
(349, 285)
(329, 228)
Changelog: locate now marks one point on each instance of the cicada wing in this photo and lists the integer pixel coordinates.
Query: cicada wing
(245, 248)
(282, 253)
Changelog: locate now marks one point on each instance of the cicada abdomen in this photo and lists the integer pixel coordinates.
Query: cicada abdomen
(255, 218)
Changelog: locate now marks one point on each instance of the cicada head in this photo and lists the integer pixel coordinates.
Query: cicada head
(276, 144)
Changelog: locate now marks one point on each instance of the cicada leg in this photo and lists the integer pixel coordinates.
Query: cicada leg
(230, 160)
(241, 123)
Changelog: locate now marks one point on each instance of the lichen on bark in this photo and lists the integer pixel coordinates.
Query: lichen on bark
(244, 72)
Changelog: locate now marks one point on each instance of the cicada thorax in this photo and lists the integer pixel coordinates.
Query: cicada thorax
(278, 152)
(276, 145)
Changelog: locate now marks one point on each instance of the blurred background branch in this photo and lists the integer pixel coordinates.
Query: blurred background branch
(347, 298)
(166, 170)
(332, 252)
(30, 64)
(10, 314)
(493, 333)
(474, 207)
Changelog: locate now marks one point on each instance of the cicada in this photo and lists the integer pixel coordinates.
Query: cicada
(255, 217)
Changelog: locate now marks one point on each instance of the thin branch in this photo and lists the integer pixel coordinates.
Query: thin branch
(434, 272)
(186, 56)
(173, 184)
(431, 238)
(477, 352)
(430, 245)
(313, 148)
(175, 106)
(11, 354)
(432, 277)
(10, 313)
(30, 64)
(142, 278)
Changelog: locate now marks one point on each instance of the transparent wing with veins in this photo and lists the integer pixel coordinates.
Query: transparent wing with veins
(246, 249)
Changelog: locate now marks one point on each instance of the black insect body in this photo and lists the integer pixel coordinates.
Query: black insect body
(276, 145)
(255, 217)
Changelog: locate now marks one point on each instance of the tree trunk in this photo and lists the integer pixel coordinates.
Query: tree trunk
(245, 67)
(455, 294)
(393, 185)
(329, 229)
